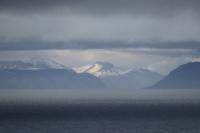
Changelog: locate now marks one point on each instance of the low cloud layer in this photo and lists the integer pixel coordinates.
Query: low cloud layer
(103, 7)
(163, 30)
(106, 45)
(100, 21)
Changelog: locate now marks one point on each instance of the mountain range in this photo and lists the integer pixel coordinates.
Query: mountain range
(186, 76)
(121, 78)
(134, 79)
(41, 74)
(47, 74)
(48, 79)
(44, 75)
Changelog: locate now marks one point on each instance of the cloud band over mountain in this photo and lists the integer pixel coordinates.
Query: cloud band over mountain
(164, 29)
(37, 45)
(93, 20)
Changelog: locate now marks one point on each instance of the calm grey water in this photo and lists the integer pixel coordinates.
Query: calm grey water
(103, 125)
(156, 111)
(117, 124)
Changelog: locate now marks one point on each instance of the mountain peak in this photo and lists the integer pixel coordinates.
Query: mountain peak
(100, 69)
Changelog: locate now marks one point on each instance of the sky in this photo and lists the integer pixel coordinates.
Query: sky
(155, 34)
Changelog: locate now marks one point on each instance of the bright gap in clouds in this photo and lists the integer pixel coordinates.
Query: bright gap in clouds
(135, 59)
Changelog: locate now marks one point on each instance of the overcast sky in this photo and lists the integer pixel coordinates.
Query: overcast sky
(153, 34)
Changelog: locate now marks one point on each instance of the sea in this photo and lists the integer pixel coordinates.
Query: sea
(100, 111)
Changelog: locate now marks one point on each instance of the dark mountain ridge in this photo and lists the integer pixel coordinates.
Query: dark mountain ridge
(134, 79)
(47, 79)
(186, 76)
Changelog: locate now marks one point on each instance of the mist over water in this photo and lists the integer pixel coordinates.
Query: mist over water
(97, 111)
(78, 96)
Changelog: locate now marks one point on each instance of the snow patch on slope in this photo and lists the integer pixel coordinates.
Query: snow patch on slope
(31, 64)
(101, 69)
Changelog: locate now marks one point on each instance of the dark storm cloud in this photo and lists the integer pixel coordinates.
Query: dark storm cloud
(102, 7)
(173, 20)
(31, 45)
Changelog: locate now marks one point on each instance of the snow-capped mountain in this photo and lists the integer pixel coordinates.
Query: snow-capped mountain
(50, 74)
(121, 78)
(30, 64)
(44, 74)
(101, 69)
